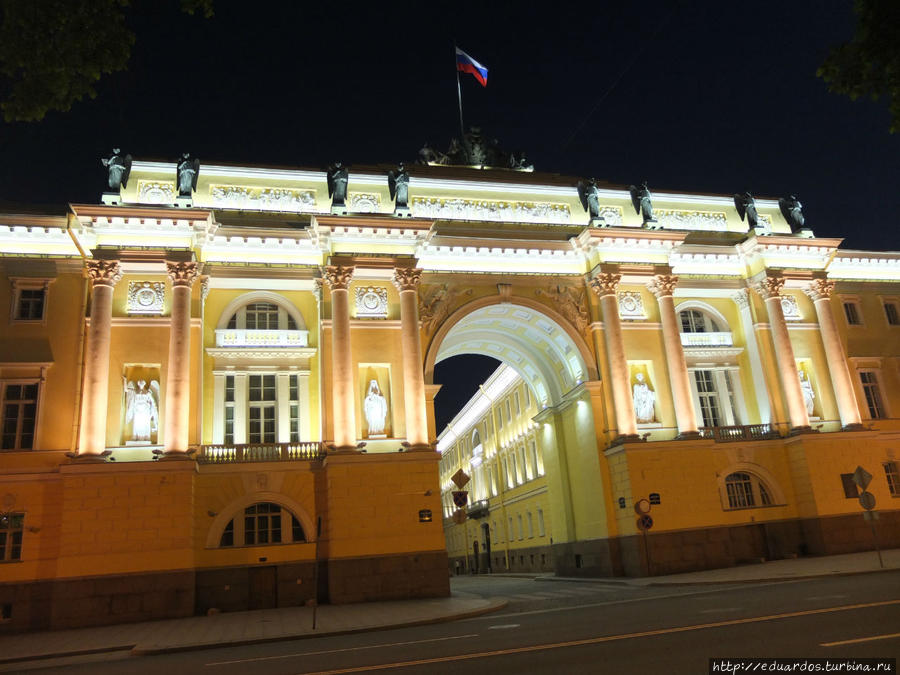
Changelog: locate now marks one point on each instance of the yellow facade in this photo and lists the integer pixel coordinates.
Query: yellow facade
(209, 393)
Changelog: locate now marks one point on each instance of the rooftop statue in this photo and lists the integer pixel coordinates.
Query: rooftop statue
(337, 184)
(398, 183)
(643, 202)
(746, 207)
(589, 194)
(792, 210)
(473, 149)
(187, 172)
(119, 169)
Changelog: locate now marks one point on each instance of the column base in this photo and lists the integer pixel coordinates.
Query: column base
(688, 435)
(626, 438)
(797, 431)
(417, 447)
(402, 212)
(332, 448)
(89, 457)
(855, 426)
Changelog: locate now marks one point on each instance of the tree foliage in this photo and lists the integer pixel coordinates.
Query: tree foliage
(869, 64)
(53, 52)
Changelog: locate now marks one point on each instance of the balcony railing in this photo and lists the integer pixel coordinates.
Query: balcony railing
(261, 338)
(261, 452)
(749, 432)
(720, 339)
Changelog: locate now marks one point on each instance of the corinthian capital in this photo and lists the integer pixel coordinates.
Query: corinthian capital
(104, 272)
(182, 273)
(338, 277)
(407, 279)
(770, 287)
(663, 284)
(605, 283)
(820, 289)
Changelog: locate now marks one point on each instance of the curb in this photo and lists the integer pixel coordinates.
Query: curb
(61, 655)
(494, 604)
(770, 579)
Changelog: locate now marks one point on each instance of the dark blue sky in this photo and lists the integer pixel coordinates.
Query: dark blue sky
(716, 97)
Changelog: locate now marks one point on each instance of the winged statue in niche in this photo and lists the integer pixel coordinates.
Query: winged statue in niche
(142, 409)
(746, 208)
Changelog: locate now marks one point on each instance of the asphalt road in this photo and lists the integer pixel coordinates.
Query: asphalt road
(559, 627)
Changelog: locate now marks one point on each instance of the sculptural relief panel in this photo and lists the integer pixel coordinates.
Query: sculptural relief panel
(492, 210)
(262, 198)
(371, 302)
(146, 297)
(692, 220)
(156, 192)
(362, 202)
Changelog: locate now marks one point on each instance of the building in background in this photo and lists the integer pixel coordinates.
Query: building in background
(217, 386)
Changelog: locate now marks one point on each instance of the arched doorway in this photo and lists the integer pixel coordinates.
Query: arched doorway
(560, 371)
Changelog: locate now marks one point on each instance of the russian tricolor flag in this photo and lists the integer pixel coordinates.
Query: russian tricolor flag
(466, 64)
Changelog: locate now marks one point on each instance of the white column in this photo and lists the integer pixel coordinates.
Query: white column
(820, 292)
(760, 388)
(218, 430)
(770, 290)
(407, 283)
(663, 287)
(178, 369)
(240, 408)
(303, 407)
(724, 398)
(283, 401)
(95, 397)
(343, 394)
(605, 285)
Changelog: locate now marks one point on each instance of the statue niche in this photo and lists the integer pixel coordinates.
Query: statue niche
(141, 411)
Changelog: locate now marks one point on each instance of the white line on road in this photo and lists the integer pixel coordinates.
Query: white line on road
(826, 597)
(720, 609)
(855, 640)
(335, 651)
(504, 626)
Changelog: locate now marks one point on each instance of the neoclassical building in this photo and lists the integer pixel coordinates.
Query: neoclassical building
(217, 391)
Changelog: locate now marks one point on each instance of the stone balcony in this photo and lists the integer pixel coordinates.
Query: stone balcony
(303, 451)
(261, 338)
(719, 339)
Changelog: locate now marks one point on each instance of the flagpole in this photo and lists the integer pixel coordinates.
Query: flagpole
(462, 133)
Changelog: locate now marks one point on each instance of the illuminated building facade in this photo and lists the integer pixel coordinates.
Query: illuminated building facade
(186, 381)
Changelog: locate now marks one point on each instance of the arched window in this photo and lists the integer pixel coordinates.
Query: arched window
(695, 321)
(745, 490)
(261, 316)
(262, 524)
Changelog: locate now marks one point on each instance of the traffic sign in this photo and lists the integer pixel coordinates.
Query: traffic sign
(644, 523)
(460, 478)
(460, 498)
(655, 499)
(867, 501)
(642, 506)
(862, 477)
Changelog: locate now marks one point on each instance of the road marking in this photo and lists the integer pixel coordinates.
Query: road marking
(599, 640)
(855, 640)
(336, 651)
(504, 626)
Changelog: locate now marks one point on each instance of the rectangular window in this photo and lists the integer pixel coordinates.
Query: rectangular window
(511, 535)
(527, 396)
(295, 408)
(262, 524)
(521, 529)
(19, 415)
(508, 415)
(893, 478)
(11, 528)
(30, 305)
(851, 489)
(518, 405)
(499, 420)
(852, 313)
(709, 398)
(261, 427)
(891, 314)
(228, 438)
(541, 531)
(872, 393)
(262, 316)
(530, 525)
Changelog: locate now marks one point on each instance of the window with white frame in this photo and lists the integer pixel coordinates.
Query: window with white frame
(29, 299)
(259, 408)
(716, 397)
(508, 413)
(19, 415)
(892, 476)
(530, 524)
(518, 404)
(262, 524)
(852, 312)
(261, 316)
(12, 526)
(499, 419)
(521, 528)
(891, 313)
(745, 490)
(527, 395)
(872, 393)
(541, 531)
(261, 418)
(695, 321)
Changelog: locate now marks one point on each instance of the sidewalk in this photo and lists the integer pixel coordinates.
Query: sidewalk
(773, 570)
(238, 628)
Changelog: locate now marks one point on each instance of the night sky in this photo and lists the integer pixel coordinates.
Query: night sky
(699, 96)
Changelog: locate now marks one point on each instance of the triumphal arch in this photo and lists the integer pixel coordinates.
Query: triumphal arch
(218, 386)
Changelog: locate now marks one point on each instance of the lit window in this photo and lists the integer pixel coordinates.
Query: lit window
(695, 321)
(852, 313)
(29, 299)
(262, 524)
(11, 528)
(891, 313)
(872, 393)
(709, 398)
(262, 316)
(19, 414)
(744, 490)
(261, 428)
(893, 478)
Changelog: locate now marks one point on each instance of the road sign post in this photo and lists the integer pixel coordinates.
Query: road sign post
(867, 500)
(644, 523)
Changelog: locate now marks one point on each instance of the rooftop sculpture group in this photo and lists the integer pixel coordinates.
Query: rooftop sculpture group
(475, 150)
